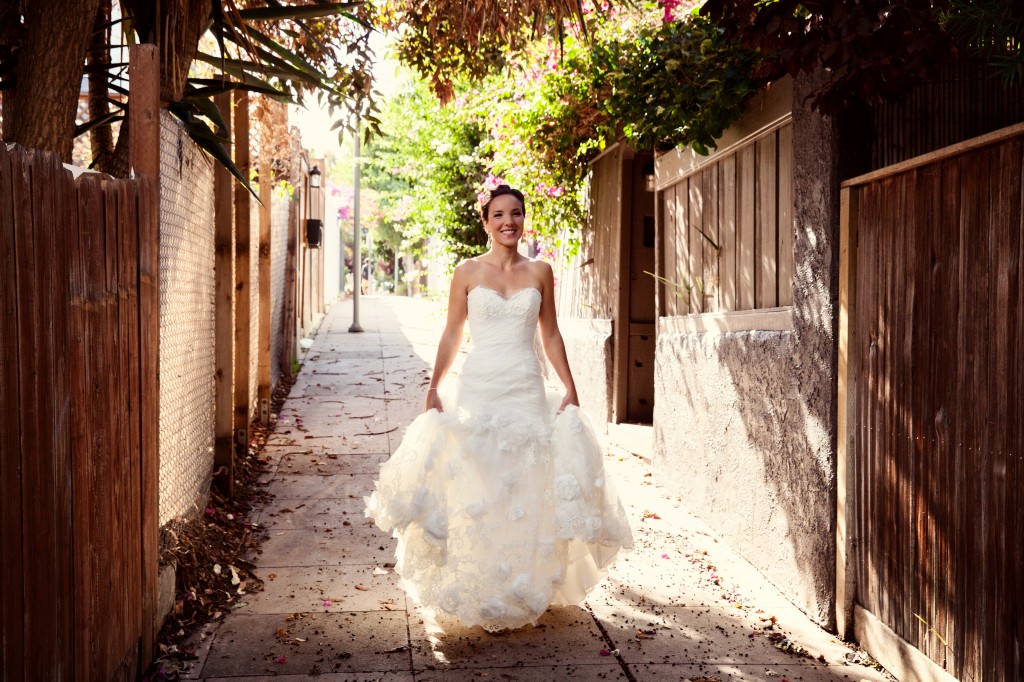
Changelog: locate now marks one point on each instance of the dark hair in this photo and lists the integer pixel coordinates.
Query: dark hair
(500, 190)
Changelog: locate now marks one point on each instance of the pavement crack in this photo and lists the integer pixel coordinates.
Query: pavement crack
(611, 645)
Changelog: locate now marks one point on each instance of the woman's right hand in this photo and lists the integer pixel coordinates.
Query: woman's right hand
(433, 402)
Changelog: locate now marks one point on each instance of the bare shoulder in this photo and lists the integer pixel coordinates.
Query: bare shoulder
(466, 269)
(467, 274)
(541, 270)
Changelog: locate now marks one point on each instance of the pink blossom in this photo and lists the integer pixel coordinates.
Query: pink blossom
(669, 7)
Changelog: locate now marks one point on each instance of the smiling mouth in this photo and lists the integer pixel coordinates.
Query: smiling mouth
(511, 231)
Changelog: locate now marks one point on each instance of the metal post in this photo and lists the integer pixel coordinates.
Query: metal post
(341, 256)
(357, 255)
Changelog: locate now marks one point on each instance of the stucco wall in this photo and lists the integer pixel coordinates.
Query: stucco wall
(588, 345)
(754, 412)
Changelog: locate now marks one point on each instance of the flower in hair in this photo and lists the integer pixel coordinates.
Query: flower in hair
(491, 183)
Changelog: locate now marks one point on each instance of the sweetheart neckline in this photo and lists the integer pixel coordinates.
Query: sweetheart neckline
(499, 294)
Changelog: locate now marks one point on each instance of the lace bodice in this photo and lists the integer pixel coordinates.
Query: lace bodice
(496, 320)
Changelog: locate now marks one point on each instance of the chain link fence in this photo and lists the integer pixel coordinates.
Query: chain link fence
(187, 342)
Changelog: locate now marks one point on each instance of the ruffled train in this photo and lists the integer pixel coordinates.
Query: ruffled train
(499, 514)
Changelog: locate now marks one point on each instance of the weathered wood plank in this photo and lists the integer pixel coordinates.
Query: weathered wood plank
(746, 222)
(905, 255)
(695, 243)
(873, 569)
(56, 201)
(972, 455)
(78, 342)
(128, 285)
(1004, 589)
(709, 255)
(785, 181)
(1015, 472)
(118, 488)
(925, 212)
(144, 114)
(846, 414)
(766, 294)
(617, 293)
(727, 235)
(667, 258)
(45, 472)
(946, 241)
(11, 521)
(263, 393)
(88, 465)
(224, 321)
(885, 474)
(142, 250)
(288, 325)
(147, 392)
(243, 298)
(106, 482)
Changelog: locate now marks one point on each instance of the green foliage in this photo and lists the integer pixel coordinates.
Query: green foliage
(674, 83)
(538, 123)
(657, 83)
(994, 30)
(860, 51)
(426, 169)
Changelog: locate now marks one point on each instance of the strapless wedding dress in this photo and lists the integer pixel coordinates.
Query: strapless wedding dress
(500, 506)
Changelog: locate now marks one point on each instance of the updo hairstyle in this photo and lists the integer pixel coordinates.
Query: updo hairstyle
(500, 190)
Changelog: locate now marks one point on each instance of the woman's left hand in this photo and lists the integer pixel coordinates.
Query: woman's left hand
(569, 399)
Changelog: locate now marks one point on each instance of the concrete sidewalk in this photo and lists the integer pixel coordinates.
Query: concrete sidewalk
(680, 606)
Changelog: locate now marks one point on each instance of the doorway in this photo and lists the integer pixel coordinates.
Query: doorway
(635, 323)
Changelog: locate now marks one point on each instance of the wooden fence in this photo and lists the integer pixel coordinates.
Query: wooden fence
(931, 426)
(79, 290)
(961, 101)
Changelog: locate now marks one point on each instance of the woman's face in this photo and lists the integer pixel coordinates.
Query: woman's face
(505, 220)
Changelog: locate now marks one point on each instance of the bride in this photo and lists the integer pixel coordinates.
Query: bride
(497, 494)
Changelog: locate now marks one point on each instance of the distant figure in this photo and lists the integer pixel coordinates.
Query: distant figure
(498, 495)
(366, 276)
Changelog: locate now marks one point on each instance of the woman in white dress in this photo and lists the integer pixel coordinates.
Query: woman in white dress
(497, 494)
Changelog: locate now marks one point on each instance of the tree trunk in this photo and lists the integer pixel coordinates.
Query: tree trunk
(175, 26)
(101, 139)
(183, 22)
(40, 110)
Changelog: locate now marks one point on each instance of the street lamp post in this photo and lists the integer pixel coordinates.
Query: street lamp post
(357, 257)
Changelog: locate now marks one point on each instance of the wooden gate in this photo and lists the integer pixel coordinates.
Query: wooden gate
(931, 435)
(79, 280)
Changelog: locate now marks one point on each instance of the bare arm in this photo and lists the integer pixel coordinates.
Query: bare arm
(451, 338)
(554, 346)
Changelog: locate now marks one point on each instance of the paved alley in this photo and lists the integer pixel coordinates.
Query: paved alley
(680, 606)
